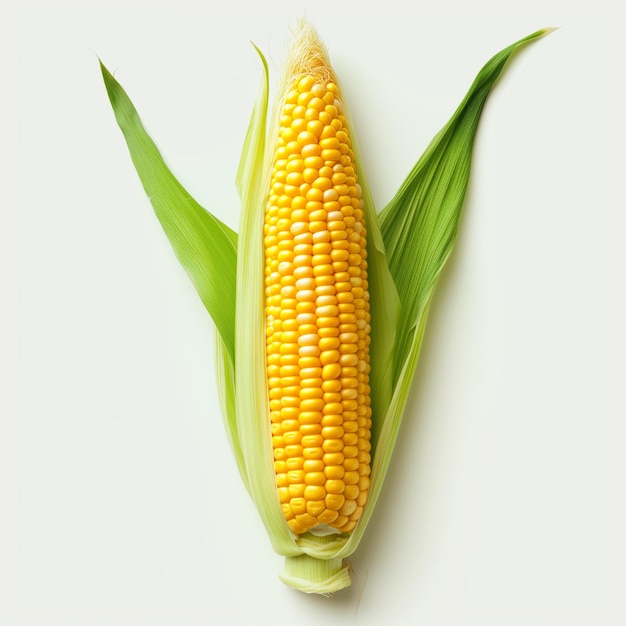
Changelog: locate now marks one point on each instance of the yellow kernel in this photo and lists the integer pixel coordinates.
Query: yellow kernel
(298, 505)
(328, 356)
(299, 111)
(348, 526)
(310, 175)
(322, 237)
(328, 323)
(316, 127)
(322, 182)
(310, 393)
(324, 270)
(288, 513)
(291, 99)
(348, 382)
(335, 486)
(331, 385)
(313, 404)
(329, 143)
(307, 138)
(325, 117)
(294, 463)
(308, 418)
(289, 370)
(310, 429)
(312, 441)
(332, 419)
(308, 340)
(320, 259)
(311, 376)
(299, 227)
(337, 235)
(296, 528)
(313, 465)
(316, 507)
(330, 371)
(315, 478)
(303, 98)
(350, 439)
(333, 445)
(314, 162)
(334, 458)
(305, 362)
(313, 453)
(287, 134)
(311, 150)
(333, 408)
(347, 509)
(307, 521)
(351, 478)
(296, 450)
(299, 124)
(351, 492)
(305, 295)
(294, 178)
(334, 501)
(328, 155)
(328, 516)
(304, 84)
(350, 464)
(315, 195)
(331, 397)
(360, 501)
(351, 405)
(350, 451)
(292, 438)
(294, 165)
(316, 101)
(295, 476)
(332, 432)
(329, 131)
(334, 472)
(349, 360)
(302, 238)
(330, 310)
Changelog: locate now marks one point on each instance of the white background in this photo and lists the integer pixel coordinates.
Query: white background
(120, 502)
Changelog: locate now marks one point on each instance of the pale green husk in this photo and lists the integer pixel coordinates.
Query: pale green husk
(409, 243)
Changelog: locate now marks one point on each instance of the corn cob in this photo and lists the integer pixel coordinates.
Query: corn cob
(312, 426)
(317, 308)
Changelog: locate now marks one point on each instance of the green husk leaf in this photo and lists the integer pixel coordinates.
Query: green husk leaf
(225, 378)
(420, 223)
(252, 405)
(313, 575)
(419, 227)
(205, 246)
(250, 170)
(384, 301)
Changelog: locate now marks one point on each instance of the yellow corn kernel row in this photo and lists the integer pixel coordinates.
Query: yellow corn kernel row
(317, 314)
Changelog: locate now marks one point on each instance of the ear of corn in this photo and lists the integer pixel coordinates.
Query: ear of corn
(332, 300)
(317, 308)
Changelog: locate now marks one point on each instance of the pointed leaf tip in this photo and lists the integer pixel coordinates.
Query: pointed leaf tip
(205, 246)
